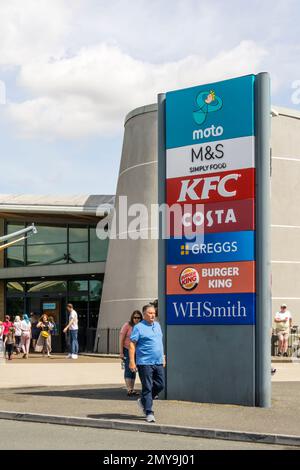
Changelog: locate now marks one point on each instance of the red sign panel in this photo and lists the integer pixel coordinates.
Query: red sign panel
(212, 278)
(233, 216)
(217, 187)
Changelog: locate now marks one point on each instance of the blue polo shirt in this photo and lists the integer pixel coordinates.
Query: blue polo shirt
(149, 345)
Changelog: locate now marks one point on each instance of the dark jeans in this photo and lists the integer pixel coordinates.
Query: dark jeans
(128, 374)
(153, 382)
(74, 342)
(18, 343)
(9, 349)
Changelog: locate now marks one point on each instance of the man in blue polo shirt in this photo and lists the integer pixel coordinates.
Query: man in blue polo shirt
(146, 354)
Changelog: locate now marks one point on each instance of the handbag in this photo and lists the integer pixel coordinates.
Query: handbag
(45, 334)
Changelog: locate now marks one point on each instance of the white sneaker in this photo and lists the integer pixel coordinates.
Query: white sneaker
(69, 356)
(74, 356)
(150, 418)
(141, 408)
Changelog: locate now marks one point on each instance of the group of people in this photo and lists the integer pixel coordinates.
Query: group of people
(142, 351)
(17, 335)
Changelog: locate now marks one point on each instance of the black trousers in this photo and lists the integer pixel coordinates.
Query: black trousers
(9, 349)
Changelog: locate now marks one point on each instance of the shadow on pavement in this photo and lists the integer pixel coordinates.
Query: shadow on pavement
(117, 416)
(110, 393)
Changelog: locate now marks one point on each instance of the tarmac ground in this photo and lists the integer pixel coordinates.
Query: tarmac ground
(93, 387)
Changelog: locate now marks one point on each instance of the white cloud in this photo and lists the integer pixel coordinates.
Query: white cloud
(32, 29)
(91, 92)
(83, 64)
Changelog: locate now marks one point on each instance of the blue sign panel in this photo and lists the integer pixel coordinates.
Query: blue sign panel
(216, 309)
(212, 248)
(49, 306)
(210, 112)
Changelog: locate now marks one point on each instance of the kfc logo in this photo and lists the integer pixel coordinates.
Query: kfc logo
(225, 186)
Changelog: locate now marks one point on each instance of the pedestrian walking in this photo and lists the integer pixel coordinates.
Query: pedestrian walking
(125, 333)
(72, 327)
(25, 336)
(9, 342)
(7, 324)
(18, 333)
(44, 341)
(283, 321)
(35, 331)
(146, 355)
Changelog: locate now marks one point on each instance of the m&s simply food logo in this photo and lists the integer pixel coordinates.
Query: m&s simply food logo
(208, 102)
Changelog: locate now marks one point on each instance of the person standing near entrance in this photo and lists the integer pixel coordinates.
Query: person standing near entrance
(35, 331)
(283, 321)
(10, 342)
(44, 342)
(72, 327)
(18, 333)
(146, 346)
(7, 324)
(25, 335)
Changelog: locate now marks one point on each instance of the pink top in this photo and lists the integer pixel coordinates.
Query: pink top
(125, 334)
(7, 325)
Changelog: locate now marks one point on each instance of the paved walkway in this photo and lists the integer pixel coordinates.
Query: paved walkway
(57, 370)
(93, 387)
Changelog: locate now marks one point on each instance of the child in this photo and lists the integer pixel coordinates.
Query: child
(10, 342)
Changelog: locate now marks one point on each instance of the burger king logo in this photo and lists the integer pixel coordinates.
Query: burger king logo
(189, 278)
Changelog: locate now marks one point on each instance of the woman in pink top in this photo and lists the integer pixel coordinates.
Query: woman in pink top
(7, 324)
(125, 333)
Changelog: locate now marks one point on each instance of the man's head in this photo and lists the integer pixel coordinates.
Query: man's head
(69, 308)
(149, 313)
(283, 307)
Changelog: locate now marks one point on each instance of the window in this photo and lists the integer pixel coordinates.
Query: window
(48, 235)
(78, 286)
(15, 256)
(15, 306)
(15, 287)
(56, 245)
(47, 254)
(46, 286)
(98, 248)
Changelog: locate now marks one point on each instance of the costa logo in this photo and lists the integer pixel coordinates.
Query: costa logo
(212, 188)
(189, 279)
(230, 216)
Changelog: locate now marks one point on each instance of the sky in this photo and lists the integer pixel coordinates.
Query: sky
(72, 69)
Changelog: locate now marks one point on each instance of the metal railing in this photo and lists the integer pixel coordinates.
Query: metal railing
(293, 343)
(107, 341)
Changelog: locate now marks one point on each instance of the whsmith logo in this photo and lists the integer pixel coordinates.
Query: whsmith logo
(208, 102)
(208, 310)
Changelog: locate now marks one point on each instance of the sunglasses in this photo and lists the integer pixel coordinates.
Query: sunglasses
(137, 318)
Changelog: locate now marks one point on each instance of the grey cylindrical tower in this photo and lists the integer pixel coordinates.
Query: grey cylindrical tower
(131, 268)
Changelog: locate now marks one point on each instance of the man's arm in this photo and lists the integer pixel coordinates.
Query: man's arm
(132, 364)
(68, 325)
